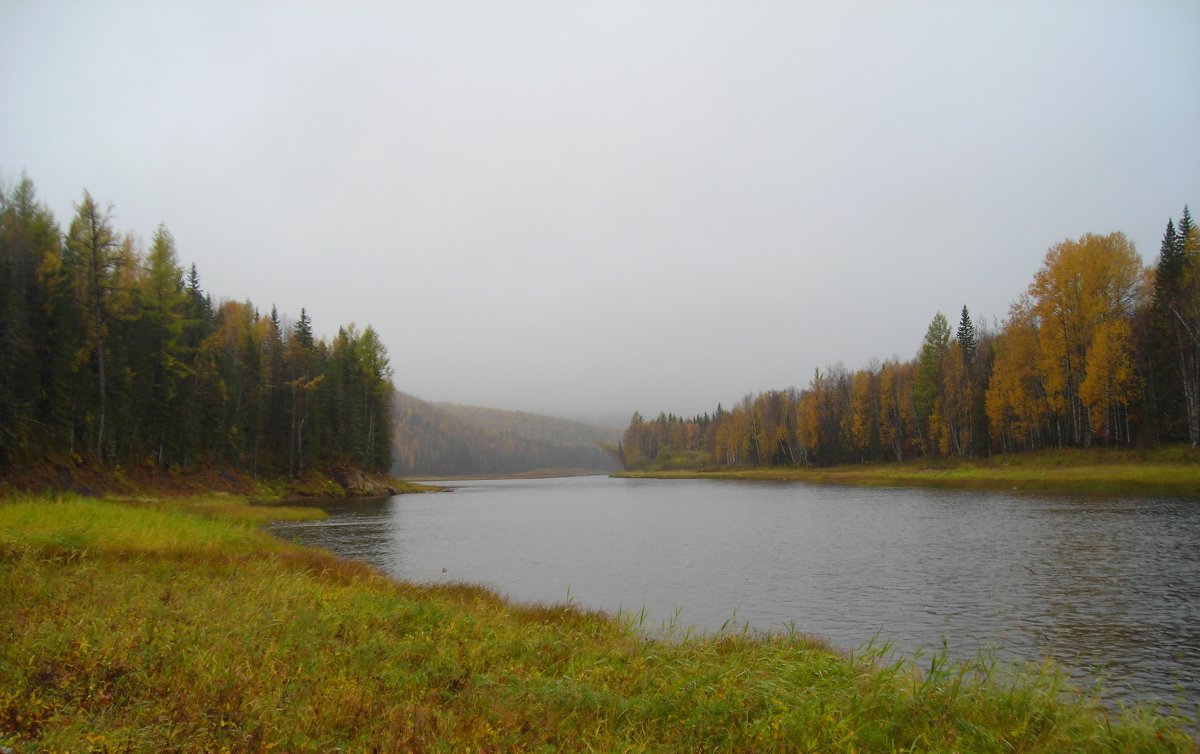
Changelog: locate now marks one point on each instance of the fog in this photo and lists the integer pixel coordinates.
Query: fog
(586, 209)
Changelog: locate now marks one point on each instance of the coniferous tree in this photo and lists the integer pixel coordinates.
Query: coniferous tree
(927, 387)
(1163, 395)
(1170, 265)
(966, 336)
(1167, 345)
(34, 304)
(93, 254)
(162, 303)
(1184, 311)
(304, 333)
(1184, 233)
(972, 388)
(127, 352)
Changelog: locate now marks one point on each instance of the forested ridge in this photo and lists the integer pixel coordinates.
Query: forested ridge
(450, 439)
(112, 354)
(1100, 350)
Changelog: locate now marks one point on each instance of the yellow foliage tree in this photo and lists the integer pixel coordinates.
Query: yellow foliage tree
(1016, 401)
(1108, 384)
(896, 418)
(863, 412)
(959, 399)
(1082, 286)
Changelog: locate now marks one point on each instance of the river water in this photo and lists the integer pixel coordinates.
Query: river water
(1110, 588)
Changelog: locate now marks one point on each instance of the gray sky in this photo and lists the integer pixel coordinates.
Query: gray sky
(588, 208)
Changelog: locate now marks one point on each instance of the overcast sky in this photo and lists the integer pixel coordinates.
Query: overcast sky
(587, 208)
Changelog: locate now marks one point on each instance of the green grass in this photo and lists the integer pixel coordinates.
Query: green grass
(1169, 471)
(150, 626)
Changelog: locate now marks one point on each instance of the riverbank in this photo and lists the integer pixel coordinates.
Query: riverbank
(63, 475)
(1169, 471)
(180, 624)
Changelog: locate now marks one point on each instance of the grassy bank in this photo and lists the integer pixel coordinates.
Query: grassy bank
(181, 626)
(62, 474)
(1171, 471)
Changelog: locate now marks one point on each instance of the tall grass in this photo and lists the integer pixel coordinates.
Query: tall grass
(147, 628)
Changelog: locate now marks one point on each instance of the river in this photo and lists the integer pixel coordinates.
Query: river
(1110, 588)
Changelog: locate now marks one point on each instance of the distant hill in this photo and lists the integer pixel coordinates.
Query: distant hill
(446, 439)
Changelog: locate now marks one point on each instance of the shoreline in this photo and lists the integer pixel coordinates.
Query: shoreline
(535, 474)
(1060, 472)
(184, 623)
(72, 476)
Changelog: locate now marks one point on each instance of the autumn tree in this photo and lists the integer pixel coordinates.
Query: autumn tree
(896, 418)
(1082, 287)
(863, 415)
(1016, 399)
(957, 401)
(1107, 385)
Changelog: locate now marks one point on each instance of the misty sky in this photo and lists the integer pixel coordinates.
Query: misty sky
(587, 208)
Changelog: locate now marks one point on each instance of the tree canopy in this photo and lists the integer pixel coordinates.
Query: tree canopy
(110, 353)
(1098, 350)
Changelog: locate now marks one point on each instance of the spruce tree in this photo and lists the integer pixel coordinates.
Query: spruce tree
(304, 333)
(966, 336)
(1172, 340)
(1184, 231)
(1165, 392)
(1170, 265)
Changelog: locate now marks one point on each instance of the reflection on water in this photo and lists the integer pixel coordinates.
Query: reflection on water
(1109, 588)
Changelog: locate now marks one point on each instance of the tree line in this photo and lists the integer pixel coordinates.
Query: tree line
(1100, 350)
(112, 353)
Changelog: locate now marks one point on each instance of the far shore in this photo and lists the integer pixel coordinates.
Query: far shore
(1171, 471)
(535, 474)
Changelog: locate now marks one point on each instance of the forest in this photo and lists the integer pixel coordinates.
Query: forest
(113, 354)
(1101, 350)
(447, 439)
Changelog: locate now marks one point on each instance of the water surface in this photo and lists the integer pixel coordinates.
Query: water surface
(1110, 588)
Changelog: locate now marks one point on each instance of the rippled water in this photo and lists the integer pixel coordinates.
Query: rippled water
(1110, 588)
